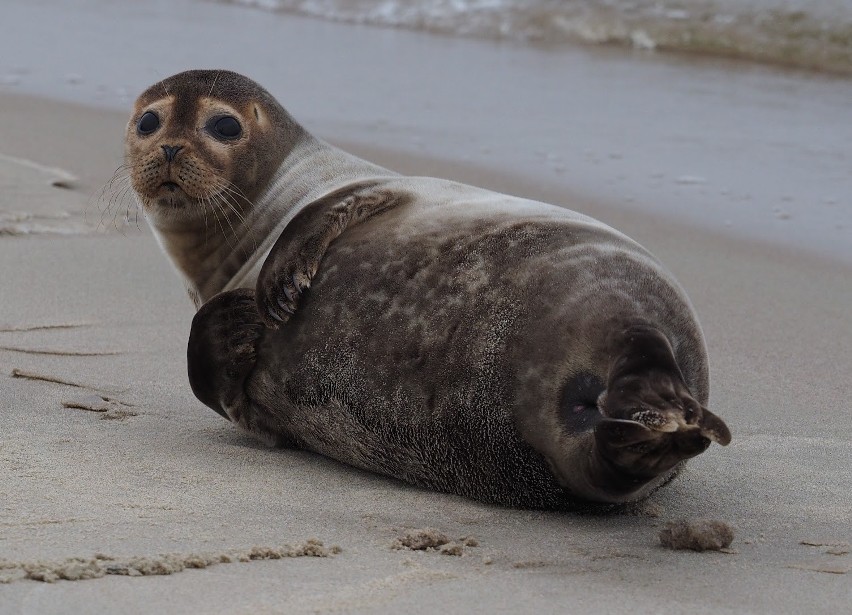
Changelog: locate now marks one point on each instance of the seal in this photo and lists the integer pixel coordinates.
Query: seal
(452, 337)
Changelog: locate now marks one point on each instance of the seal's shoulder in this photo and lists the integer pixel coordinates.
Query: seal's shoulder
(451, 202)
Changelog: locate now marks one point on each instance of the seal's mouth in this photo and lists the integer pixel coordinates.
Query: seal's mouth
(170, 195)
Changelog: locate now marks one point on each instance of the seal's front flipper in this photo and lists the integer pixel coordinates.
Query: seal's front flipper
(222, 351)
(295, 258)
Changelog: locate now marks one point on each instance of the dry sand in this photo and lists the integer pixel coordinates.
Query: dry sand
(93, 321)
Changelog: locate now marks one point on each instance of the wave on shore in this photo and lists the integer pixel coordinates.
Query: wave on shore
(814, 34)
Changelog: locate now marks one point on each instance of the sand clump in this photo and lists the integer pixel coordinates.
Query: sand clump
(430, 539)
(698, 535)
(100, 565)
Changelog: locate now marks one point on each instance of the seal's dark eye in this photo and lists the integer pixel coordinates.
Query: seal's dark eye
(148, 123)
(225, 127)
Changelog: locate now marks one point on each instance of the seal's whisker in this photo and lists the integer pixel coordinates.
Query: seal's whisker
(230, 189)
(136, 215)
(225, 193)
(204, 211)
(222, 199)
(205, 202)
(118, 196)
(230, 195)
(224, 182)
(117, 174)
(127, 204)
(236, 190)
(126, 217)
(238, 199)
(117, 184)
(225, 199)
(221, 202)
(106, 198)
(127, 198)
(217, 210)
(230, 199)
(214, 207)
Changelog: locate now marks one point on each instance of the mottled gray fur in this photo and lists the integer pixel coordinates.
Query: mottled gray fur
(445, 335)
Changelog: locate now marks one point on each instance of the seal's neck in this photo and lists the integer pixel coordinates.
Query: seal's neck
(312, 170)
(226, 249)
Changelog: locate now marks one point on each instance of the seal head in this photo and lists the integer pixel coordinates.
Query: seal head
(205, 144)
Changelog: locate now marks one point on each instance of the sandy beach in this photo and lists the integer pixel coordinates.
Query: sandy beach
(90, 307)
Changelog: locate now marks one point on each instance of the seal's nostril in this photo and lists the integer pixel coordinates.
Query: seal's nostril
(171, 151)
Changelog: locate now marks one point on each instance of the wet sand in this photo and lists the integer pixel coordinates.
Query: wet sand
(89, 306)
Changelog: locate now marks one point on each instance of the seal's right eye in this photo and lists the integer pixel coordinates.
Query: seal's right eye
(148, 123)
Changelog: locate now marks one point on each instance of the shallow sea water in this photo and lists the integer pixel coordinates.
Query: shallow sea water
(812, 34)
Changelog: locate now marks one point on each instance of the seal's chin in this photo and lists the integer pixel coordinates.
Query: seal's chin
(170, 195)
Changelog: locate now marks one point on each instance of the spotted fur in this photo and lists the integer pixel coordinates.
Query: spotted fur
(455, 338)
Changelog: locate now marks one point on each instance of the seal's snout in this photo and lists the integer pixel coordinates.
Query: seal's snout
(171, 151)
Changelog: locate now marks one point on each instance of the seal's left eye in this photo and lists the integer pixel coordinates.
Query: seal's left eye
(226, 127)
(148, 123)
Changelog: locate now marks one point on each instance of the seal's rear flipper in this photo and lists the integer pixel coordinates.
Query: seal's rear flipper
(714, 428)
(651, 420)
(640, 451)
(655, 439)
